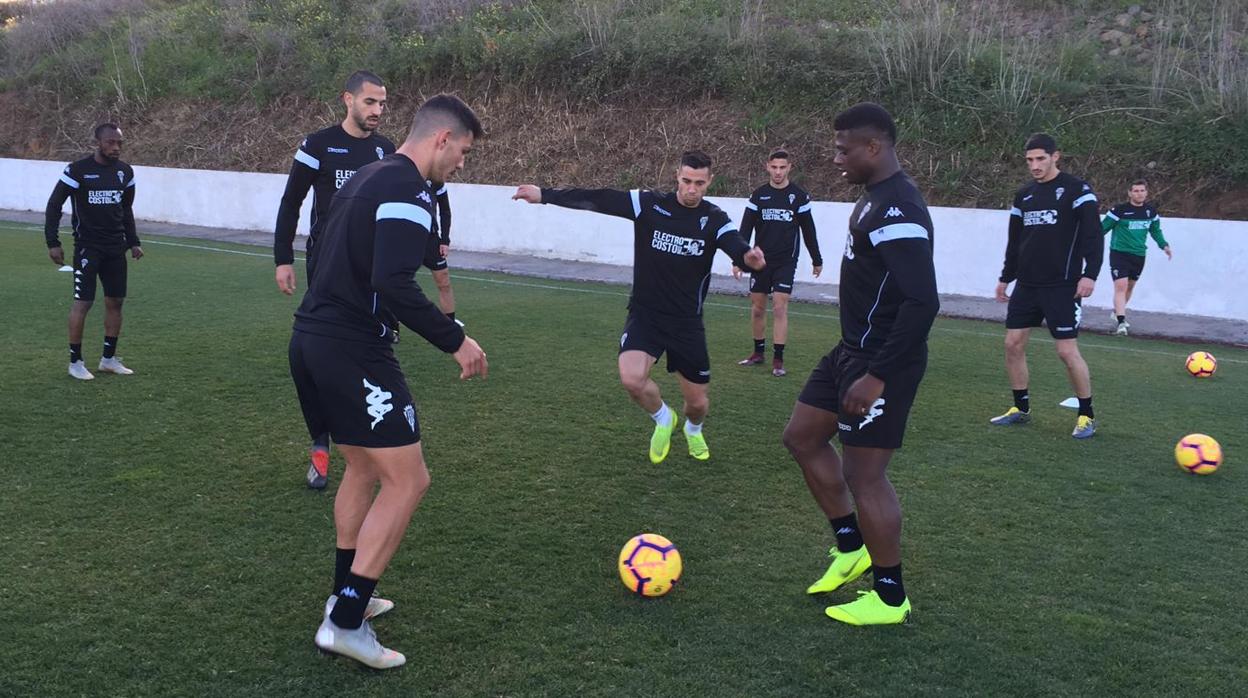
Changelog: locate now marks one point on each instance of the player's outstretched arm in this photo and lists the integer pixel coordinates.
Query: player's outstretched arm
(303, 173)
(612, 202)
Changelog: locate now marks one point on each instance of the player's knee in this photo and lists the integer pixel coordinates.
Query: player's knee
(1014, 345)
(1068, 352)
(797, 440)
(635, 384)
(862, 479)
(697, 404)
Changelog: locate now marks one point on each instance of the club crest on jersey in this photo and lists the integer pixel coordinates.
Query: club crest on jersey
(121, 176)
(1060, 191)
(865, 210)
(792, 197)
(380, 153)
(410, 412)
(702, 222)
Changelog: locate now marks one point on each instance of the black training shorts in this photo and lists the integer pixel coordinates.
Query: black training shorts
(1124, 265)
(353, 390)
(682, 339)
(108, 267)
(776, 278)
(884, 425)
(1055, 306)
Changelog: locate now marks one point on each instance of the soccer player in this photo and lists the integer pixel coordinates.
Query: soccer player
(1131, 223)
(1054, 253)
(347, 377)
(675, 236)
(100, 189)
(778, 210)
(437, 250)
(864, 388)
(324, 161)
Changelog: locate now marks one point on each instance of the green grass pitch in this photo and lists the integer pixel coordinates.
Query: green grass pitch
(157, 537)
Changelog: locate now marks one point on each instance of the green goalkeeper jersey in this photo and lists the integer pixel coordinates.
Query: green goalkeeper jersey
(1131, 226)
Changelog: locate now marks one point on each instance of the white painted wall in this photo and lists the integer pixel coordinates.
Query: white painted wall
(969, 242)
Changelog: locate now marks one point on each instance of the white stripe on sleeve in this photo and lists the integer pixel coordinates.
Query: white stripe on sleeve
(805, 207)
(301, 155)
(73, 184)
(728, 228)
(898, 231)
(750, 205)
(1084, 199)
(405, 211)
(1015, 212)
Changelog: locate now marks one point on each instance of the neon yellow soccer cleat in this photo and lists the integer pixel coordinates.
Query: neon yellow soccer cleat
(869, 609)
(845, 568)
(697, 446)
(661, 441)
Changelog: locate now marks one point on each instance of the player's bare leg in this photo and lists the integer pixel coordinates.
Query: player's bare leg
(697, 404)
(77, 321)
(446, 295)
(1019, 376)
(1081, 381)
(779, 330)
(758, 328)
(808, 437)
(635, 377)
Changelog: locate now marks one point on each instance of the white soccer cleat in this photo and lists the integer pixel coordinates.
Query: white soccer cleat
(376, 606)
(78, 370)
(114, 365)
(360, 644)
(1123, 330)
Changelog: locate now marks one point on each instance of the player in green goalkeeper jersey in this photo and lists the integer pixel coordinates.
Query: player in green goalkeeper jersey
(1131, 224)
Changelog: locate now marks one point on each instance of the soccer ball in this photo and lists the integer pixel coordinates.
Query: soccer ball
(1201, 364)
(649, 565)
(1198, 454)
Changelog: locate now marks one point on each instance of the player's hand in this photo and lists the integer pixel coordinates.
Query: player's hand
(471, 360)
(862, 394)
(1166, 249)
(1084, 289)
(529, 193)
(136, 252)
(444, 250)
(57, 255)
(817, 270)
(285, 277)
(1002, 296)
(754, 259)
(736, 272)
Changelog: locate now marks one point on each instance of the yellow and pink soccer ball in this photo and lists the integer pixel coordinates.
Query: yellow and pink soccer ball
(649, 565)
(1201, 364)
(1198, 454)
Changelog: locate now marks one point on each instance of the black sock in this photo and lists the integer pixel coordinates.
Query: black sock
(342, 567)
(1085, 407)
(75, 353)
(888, 584)
(779, 349)
(353, 597)
(451, 315)
(1022, 400)
(848, 537)
(1122, 319)
(760, 345)
(321, 441)
(110, 347)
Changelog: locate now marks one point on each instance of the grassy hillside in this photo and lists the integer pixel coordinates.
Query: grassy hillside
(608, 91)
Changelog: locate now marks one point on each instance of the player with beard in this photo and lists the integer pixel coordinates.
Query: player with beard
(100, 189)
(324, 161)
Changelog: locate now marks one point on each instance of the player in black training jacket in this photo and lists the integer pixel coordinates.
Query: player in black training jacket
(777, 210)
(864, 388)
(347, 377)
(100, 189)
(1054, 254)
(675, 236)
(438, 249)
(324, 161)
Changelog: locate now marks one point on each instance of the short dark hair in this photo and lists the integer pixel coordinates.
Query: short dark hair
(444, 110)
(867, 115)
(778, 154)
(1140, 183)
(356, 81)
(695, 159)
(1041, 141)
(106, 126)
